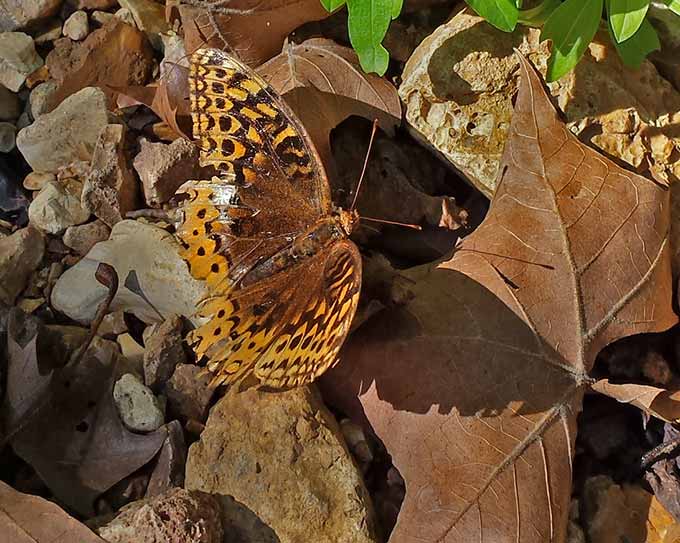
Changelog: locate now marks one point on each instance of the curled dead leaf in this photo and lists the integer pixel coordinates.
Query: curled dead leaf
(658, 402)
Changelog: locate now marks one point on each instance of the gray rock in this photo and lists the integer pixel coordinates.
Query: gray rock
(138, 408)
(57, 206)
(163, 167)
(41, 96)
(77, 27)
(178, 516)
(16, 14)
(8, 135)
(163, 352)
(149, 251)
(189, 393)
(168, 469)
(10, 105)
(83, 237)
(282, 456)
(20, 255)
(64, 135)
(18, 59)
(110, 189)
(102, 17)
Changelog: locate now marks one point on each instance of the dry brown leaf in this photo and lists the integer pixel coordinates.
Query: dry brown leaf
(324, 84)
(659, 402)
(254, 29)
(30, 519)
(474, 385)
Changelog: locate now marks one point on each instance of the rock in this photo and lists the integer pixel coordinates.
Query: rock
(20, 255)
(24, 120)
(16, 14)
(110, 189)
(113, 324)
(162, 275)
(282, 456)
(163, 167)
(8, 133)
(138, 408)
(168, 469)
(124, 15)
(102, 17)
(356, 441)
(57, 206)
(82, 238)
(458, 98)
(667, 25)
(18, 59)
(189, 393)
(50, 32)
(77, 27)
(10, 105)
(178, 516)
(163, 351)
(147, 14)
(62, 136)
(132, 351)
(37, 180)
(40, 98)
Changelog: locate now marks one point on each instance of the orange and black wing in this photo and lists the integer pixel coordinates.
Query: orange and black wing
(286, 329)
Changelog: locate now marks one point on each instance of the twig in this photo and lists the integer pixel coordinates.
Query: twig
(658, 452)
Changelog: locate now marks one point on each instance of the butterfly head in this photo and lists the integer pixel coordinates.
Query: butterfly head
(348, 220)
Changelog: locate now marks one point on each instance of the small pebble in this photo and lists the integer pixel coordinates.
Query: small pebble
(37, 180)
(76, 26)
(138, 408)
(102, 17)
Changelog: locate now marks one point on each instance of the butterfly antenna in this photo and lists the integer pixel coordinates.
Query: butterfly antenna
(385, 221)
(363, 170)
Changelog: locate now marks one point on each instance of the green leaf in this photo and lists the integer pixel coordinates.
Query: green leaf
(538, 15)
(396, 8)
(571, 27)
(332, 5)
(674, 6)
(636, 48)
(368, 23)
(500, 13)
(626, 16)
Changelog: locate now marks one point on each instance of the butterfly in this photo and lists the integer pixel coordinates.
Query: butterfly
(282, 275)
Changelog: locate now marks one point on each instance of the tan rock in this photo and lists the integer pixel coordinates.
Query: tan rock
(458, 96)
(110, 189)
(163, 351)
(40, 98)
(77, 27)
(83, 237)
(20, 255)
(57, 206)
(15, 14)
(147, 14)
(66, 134)
(18, 59)
(163, 167)
(148, 251)
(37, 180)
(189, 393)
(282, 457)
(178, 516)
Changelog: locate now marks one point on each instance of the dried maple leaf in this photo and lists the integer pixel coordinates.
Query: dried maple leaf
(324, 84)
(254, 29)
(474, 385)
(79, 446)
(659, 402)
(30, 519)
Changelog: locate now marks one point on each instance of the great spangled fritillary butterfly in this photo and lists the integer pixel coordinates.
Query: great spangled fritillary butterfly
(263, 234)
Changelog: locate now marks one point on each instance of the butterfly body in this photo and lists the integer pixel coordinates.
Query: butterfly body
(282, 275)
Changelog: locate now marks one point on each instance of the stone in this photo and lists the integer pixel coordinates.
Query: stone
(67, 133)
(102, 17)
(138, 408)
(125, 15)
(168, 469)
(40, 98)
(163, 351)
(93, 4)
(458, 98)
(18, 59)
(10, 105)
(57, 206)
(132, 351)
(153, 255)
(37, 180)
(189, 393)
(110, 189)
(667, 25)
(178, 516)
(15, 14)
(8, 136)
(20, 255)
(282, 456)
(164, 167)
(77, 27)
(112, 325)
(24, 120)
(50, 32)
(147, 14)
(83, 237)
